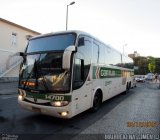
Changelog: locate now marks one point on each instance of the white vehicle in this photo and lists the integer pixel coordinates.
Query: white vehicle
(140, 79)
(149, 76)
(66, 73)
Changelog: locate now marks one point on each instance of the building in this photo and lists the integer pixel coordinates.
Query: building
(13, 39)
(135, 54)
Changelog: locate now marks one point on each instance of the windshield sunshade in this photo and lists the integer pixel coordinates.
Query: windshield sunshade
(51, 43)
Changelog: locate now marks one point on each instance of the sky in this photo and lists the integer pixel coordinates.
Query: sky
(129, 25)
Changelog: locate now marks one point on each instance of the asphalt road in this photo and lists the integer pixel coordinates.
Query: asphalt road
(123, 114)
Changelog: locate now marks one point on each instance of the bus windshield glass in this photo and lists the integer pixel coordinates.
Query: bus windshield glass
(43, 72)
(51, 43)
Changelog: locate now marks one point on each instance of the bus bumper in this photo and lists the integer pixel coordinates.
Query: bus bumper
(47, 110)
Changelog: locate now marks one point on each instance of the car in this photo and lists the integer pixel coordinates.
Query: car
(149, 76)
(140, 79)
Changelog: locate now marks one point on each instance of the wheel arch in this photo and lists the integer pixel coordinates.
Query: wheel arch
(99, 90)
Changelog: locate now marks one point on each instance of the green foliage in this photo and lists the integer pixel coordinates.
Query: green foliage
(151, 64)
(157, 69)
(151, 67)
(146, 65)
(142, 64)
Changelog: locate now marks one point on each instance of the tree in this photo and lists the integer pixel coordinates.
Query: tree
(151, 67)
(151, 64)
(146, 65)
(157, 69)
(141, 63)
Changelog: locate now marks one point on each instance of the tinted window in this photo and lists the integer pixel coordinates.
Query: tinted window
(95, 53)
(49, 43)
(102, 54)
(116, 58)
(46, 70)
(127, 62)
(112, 57)
(78, 73)
(86, 52)
(82, 62)
(107, 51)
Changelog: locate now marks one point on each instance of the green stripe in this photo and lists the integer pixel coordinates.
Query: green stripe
(108, 72)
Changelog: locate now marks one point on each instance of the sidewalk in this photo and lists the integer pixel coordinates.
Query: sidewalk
(8, 88)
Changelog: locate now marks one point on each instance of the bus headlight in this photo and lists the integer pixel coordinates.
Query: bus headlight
(20, 97)
(59, 103)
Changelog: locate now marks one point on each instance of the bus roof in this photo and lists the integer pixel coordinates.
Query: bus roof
(78, 32)
(60, 32)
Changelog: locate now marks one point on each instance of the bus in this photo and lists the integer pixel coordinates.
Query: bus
(66, 73)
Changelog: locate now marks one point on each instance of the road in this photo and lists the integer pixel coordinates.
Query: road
(116, 116)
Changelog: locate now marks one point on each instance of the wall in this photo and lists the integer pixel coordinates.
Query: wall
(7, 48)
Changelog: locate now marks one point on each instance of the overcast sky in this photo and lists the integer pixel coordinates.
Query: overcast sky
(115, 22)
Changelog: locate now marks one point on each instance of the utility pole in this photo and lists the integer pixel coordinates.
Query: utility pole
(67, 14)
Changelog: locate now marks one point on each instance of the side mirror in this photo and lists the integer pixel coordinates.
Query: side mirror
(18, 54)
(67, 57)
(81, 41)
(21, 54)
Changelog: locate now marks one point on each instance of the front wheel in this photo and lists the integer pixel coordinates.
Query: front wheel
(97, 101)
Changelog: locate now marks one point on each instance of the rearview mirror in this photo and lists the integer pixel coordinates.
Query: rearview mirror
(67, 57)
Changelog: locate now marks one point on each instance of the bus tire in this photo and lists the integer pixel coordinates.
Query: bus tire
(97, 101)
(129, 85)
(127, 89)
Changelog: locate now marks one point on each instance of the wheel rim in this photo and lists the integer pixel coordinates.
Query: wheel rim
(96, 102)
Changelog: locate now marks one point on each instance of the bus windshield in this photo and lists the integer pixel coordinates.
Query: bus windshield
(44, 72)
(51, 43)
(42, 67)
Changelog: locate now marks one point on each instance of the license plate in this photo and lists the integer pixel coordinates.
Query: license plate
(38, 110)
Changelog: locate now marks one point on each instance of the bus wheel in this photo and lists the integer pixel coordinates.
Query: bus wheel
(127, 89)
(97, 101)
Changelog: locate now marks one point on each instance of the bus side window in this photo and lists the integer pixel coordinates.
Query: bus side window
(81, 42)
(78, 75)
(95, 53)
(82, 61)
(101, 54)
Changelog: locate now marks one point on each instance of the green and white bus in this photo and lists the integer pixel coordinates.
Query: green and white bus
(66, 73)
